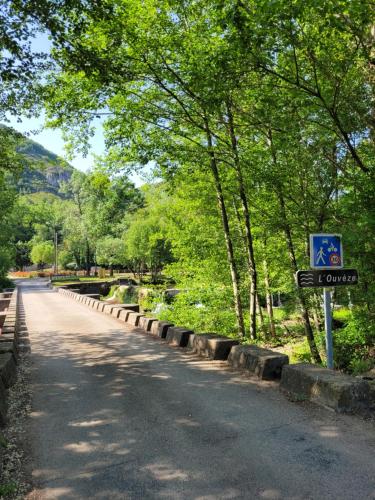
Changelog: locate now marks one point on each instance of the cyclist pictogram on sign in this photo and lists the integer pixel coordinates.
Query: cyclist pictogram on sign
(326, 251)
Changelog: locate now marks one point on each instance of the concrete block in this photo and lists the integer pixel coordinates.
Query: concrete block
(190, 344)
(116, 309)
(160, 328)
(263, 363)
(131, 307)
(101, 306)
(213, 346)
(342, 393)
(108, 308)
(178, 336)
(8, 347)
(8, 372)
(134, 318)
(7, 337)
(4, 304)
(146, 323)
(124, 314)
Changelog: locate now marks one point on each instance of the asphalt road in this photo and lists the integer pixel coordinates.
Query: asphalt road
(118, 414)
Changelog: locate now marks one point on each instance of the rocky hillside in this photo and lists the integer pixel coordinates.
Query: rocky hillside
(44, 170)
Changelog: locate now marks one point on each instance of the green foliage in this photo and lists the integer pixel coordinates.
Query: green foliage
(202, 311)
(43, 253)
(110, 251)
(343, 314)
(8, 489)
(355, 344)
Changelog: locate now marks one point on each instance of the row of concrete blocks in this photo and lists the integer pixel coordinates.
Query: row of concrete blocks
(264, 363)
(302, 381)
(8, 351)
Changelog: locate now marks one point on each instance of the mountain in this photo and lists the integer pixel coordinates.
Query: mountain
(43, 170)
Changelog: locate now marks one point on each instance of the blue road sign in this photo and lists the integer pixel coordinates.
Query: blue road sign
(326, 251)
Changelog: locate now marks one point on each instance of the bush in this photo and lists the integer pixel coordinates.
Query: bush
(355, 343)
(6, 283)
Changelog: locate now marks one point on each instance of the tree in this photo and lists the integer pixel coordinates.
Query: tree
(43, 254)
(110, 252)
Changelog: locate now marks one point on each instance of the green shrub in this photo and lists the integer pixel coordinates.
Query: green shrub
(355, 342)
(301, 353)
(344, 315)
(202, 312)
(6, 283)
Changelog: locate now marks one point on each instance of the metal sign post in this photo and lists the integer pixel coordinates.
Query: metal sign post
(327, 261)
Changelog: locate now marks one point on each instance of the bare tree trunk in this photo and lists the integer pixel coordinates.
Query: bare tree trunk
(272, 327)
(246, 215)
(261, 317)
(87, 258)
(227, 236)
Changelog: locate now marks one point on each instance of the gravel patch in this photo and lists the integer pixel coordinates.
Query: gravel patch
(15, 475)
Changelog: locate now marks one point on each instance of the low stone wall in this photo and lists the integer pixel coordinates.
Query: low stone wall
(342, 393)
(301, 381)
(8, 352)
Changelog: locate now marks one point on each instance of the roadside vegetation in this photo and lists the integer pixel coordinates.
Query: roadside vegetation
(255, 122)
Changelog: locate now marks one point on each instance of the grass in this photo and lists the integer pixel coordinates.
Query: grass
(8, 489)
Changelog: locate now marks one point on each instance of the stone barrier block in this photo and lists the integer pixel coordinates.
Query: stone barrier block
(3, 404)
(134, 318)
(8, 372)
(160, 328)
(8, 347)
(213, 346)
(131, 307)
(4, 304)
(146, 323)
(264, 363)
(178, 336)
(342, 393)
(116, 310)
(101, 306)
(7, 337)
(107, 308)
(190, 344)
(124, 314)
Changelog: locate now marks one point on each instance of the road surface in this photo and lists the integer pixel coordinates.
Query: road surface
(118, 414)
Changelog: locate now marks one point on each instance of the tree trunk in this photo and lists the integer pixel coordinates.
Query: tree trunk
(261, 316)
(87, 258)
(227, 236)
(272, 328)
(293, 262)
(302, 300)
(246, 215)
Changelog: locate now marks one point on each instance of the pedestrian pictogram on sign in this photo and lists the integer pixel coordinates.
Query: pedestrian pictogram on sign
(326, 251)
